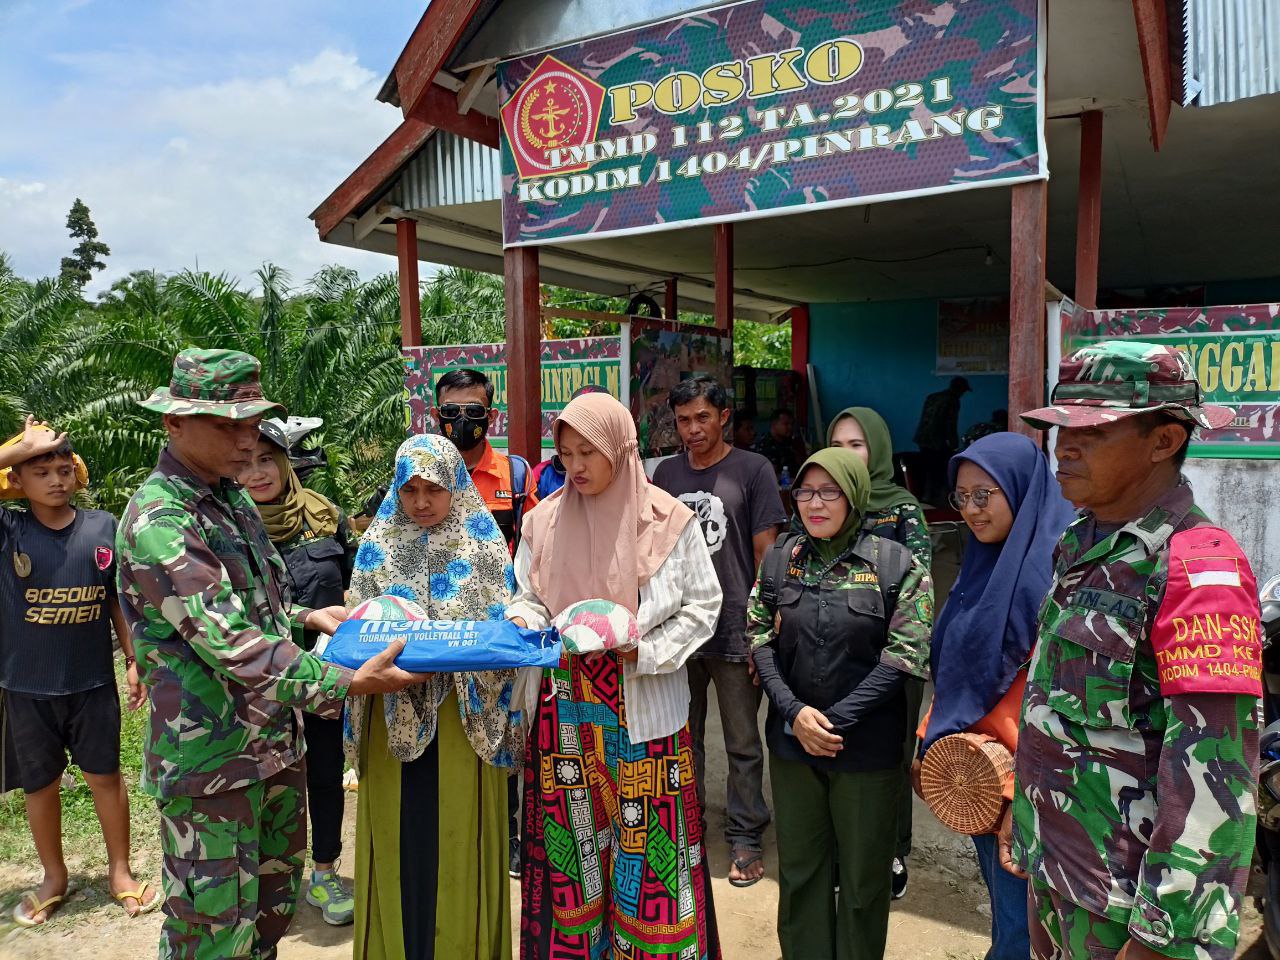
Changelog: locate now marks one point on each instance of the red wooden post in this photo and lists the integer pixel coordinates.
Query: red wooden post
(800, 358)
(1152, 19)
(670, 311)
(724, 276)
(524, 352)
(1089, 209)
(410, 302)
(1029, 221)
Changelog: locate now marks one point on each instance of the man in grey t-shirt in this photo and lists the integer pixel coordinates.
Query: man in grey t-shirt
(734, 494)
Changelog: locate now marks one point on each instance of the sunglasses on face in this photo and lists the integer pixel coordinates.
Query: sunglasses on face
(980, 498)
(805, 494)
(472, 411)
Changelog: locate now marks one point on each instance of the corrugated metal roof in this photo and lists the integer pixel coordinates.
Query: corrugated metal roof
(1231, 50)
(449, 170)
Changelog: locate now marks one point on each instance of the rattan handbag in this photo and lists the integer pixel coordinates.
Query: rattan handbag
(964, 787)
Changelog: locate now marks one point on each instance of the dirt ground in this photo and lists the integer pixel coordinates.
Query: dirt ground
(944, 916)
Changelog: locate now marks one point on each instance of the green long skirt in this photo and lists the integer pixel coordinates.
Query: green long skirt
(431, 849)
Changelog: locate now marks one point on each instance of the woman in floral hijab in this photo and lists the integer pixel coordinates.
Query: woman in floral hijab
(433, 760)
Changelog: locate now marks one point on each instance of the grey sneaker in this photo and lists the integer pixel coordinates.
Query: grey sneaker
(327, 891)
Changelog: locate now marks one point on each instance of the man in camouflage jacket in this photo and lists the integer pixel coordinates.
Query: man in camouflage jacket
(1134, 808)
(206, 598)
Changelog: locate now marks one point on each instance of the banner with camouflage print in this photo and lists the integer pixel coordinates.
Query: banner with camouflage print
(765, 107)
(1235, 351)
(567, 366)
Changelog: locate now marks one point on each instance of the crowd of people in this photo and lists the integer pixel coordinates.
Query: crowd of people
(1126, 815)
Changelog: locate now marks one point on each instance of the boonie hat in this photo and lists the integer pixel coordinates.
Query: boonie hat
(223, 383)
(1114, 379)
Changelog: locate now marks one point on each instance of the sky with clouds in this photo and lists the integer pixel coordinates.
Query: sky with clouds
(198, 133)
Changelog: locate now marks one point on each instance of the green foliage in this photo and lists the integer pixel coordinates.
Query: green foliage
(329, 349)
(88, 253)
(762, 345)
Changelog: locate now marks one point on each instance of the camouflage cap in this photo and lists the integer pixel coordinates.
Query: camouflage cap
(223, 383)
(1114, 379)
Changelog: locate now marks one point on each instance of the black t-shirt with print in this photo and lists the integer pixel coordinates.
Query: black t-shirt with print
(55, 591)
(733, 500)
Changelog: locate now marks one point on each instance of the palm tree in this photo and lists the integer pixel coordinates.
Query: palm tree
(329, 349)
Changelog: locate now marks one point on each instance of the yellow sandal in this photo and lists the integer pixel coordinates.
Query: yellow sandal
(143, 907)
(48, 908)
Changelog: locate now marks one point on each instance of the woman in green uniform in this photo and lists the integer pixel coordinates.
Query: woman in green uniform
(431, 824)
(839, 621)
(892, 513)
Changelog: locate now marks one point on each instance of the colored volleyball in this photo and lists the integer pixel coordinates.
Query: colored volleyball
(388, 608)
(595, 625)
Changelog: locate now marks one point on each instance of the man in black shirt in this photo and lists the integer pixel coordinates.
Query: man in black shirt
(734, 495)
(57, 606)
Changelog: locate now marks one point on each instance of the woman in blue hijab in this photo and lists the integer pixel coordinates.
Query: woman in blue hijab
(1004, 489)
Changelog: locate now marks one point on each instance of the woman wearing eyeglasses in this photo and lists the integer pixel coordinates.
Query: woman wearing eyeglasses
(839, 619)
(893, 513)
(1007, 494)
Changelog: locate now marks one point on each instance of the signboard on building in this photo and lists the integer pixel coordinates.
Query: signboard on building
(661, 356)
(1236, 355)
(567, 366)
(760, 107)
(973, 337)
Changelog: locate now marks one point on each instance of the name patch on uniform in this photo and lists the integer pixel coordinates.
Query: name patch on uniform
(1111, 604)
(1207, 635)
(865, 578)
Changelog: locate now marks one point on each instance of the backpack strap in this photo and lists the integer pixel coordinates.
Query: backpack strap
(773, 569)
(892, 562)
(519, 490)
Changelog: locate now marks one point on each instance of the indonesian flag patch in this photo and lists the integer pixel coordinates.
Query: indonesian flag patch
(1212, 571)
(1207, 634)
(103, 556)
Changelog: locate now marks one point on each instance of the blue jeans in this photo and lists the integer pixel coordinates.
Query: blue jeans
(1009, 937)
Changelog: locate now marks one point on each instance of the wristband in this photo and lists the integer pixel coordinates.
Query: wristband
(129, 662)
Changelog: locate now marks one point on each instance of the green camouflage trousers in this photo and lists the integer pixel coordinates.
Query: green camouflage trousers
(1061, 930)
(233, 868)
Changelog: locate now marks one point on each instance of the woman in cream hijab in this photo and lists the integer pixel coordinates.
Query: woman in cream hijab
(613, 851)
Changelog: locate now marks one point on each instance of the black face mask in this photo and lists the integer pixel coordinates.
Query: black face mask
(465, 432)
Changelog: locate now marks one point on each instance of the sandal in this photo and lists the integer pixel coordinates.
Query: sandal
(144, 907)
(741, 863)
(48, 908)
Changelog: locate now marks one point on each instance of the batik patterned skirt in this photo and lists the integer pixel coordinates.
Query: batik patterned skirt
(614, 864)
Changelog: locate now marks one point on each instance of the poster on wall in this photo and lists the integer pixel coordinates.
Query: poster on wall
(756, 108)
(661, 356)
(1235, 351)
(973, 337)
(567, 366)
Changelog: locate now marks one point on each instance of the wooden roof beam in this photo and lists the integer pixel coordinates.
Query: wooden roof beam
(437, 110)
(1152, 18)
(472, 86)
(431, 44)
(371, 176)
(442, 109)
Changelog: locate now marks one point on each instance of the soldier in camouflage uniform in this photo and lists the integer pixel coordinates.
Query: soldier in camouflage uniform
(1133, 812)
(206, 598)
(839, 621)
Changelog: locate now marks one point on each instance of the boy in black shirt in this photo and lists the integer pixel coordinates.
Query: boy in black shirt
(57, 605)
